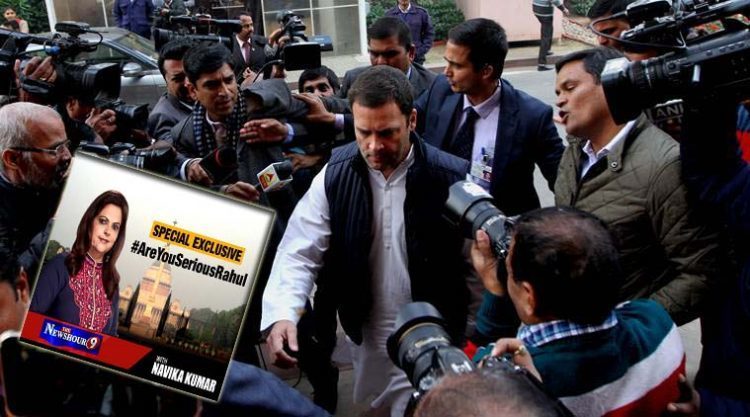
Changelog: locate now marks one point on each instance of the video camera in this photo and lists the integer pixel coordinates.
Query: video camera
(421, 347)
(694, 60)
(155, 159)
(63, 48)
(198, 28)
(298, 52)
(128, 116)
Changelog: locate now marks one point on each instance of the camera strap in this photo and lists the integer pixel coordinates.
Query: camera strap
(37, 87)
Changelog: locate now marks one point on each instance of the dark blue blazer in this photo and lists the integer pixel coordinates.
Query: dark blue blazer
(526, 136)
(135, 16)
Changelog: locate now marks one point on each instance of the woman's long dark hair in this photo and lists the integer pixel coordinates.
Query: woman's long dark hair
(74, 261)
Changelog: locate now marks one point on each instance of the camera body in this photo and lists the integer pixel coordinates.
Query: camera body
(62, 48)
(693, 61)
(128, 116)
(299, 53)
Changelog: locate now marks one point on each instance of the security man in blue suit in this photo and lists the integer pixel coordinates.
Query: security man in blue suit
(471, 112)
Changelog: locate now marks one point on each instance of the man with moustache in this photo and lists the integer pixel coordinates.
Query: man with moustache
(216, 118)
(176, 104)
(250, 51)
(34, 158)
(629, 175)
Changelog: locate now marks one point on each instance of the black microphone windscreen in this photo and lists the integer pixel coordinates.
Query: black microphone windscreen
(283, 169)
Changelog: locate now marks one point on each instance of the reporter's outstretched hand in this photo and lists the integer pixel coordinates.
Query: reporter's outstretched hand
(264, 130)
(283, 331)
(300, 161)
(317, 110)
(243, 191)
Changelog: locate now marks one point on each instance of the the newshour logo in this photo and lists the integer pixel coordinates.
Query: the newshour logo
(58, 334)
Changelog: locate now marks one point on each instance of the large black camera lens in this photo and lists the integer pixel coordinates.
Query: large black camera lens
(155, 159)
(471, 208)
(422, 348)
(631, 87)
(130, 116)
(97, 82)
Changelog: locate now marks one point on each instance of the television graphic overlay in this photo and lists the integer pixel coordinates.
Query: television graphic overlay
(187, 266)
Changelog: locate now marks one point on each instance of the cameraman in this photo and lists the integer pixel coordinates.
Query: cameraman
(613, 27)
(716, 174)
(84, 122)
(598, 357)
(34, 160)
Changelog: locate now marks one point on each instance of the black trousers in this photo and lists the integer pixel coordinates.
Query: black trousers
(546, 38)
(544, 16)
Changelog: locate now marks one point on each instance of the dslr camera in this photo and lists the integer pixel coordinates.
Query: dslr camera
(421, 347)
(704, 48)
(470, 208)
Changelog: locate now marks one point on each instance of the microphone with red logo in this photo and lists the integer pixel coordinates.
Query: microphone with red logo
(220, 163)
(275, 176)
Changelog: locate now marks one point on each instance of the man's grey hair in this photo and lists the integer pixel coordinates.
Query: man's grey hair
(15, 119)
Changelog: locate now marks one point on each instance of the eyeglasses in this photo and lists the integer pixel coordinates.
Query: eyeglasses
(56, 150)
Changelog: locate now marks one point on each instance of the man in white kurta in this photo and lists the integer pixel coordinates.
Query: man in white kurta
(383, 138)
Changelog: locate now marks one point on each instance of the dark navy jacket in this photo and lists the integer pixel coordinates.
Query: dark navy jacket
(526, 136)
(713, 169)
(420, 26)
(436, 266)
(135, 16)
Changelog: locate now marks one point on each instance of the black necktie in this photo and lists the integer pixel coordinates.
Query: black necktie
(464, 140)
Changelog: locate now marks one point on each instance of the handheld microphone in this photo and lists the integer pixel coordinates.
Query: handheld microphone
(275, 176)
(220, 163)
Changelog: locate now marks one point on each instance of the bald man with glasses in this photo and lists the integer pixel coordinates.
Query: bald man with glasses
(34, 159)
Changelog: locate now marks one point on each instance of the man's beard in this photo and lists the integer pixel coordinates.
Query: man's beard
(36, 178)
